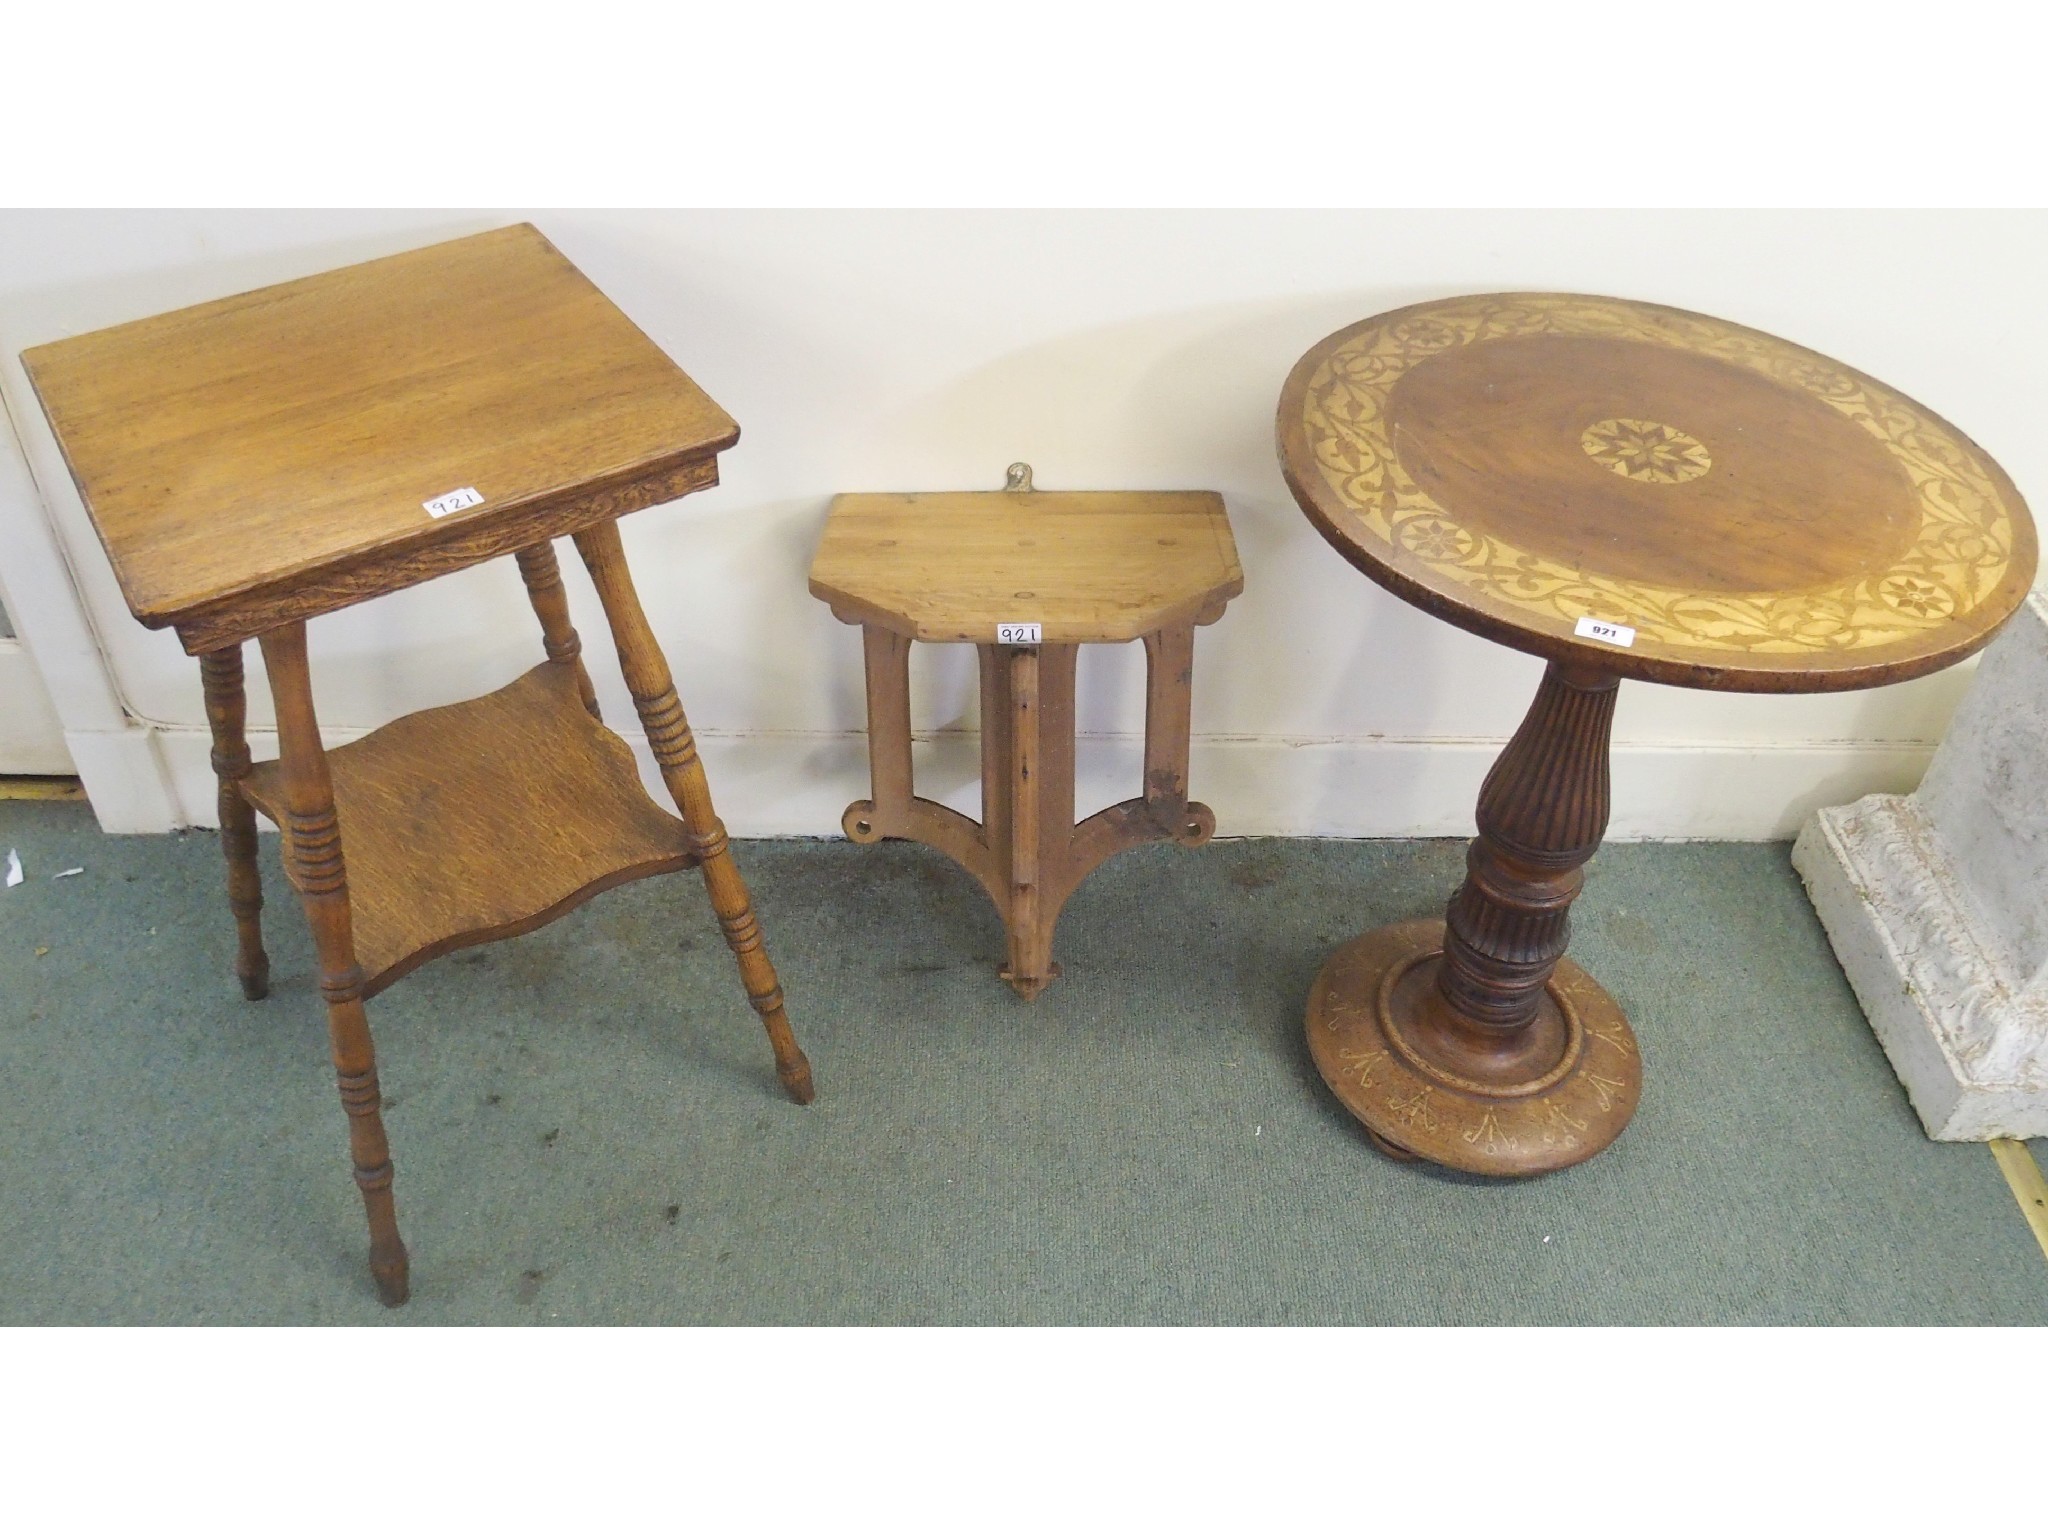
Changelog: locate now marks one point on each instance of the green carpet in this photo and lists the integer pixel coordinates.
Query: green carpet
(587, 1127)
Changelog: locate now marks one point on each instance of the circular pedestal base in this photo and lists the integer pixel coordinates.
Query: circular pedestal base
(1370, 1036)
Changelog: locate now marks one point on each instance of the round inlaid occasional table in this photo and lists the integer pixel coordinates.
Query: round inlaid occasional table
(1628, 491)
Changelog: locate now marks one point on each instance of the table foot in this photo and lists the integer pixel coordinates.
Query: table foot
(796, 1080)
(1396, 1057)
(393, 1277)
(1028, 987)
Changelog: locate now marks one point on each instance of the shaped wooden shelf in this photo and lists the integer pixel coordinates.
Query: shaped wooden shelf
(422, 803)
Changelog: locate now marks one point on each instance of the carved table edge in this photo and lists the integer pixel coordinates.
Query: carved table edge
(434, 551)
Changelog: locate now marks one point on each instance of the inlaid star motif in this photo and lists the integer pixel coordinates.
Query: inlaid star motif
(1922, 599)
(1435, 538)
(1425, 333)
(1648, 451)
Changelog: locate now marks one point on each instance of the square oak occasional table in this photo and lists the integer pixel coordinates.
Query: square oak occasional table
(253, 463)
(1626, 490)
(1028, 577)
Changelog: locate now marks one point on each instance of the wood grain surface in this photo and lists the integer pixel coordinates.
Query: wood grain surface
(1086, 565)
(1762, 517)
(280, 440)
(424, 804)
(302, 799)
(220, 680)
(1026, 851)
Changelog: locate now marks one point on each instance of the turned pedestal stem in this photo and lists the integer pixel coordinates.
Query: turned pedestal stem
(1474, 1042)
(1542, 812)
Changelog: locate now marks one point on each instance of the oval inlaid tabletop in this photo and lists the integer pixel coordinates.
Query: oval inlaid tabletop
(1732, 511)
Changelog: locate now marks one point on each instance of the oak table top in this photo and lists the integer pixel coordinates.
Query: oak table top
(269, 456)
(1761, 517)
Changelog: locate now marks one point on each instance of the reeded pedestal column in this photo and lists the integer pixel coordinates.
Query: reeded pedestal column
(1472, 1041)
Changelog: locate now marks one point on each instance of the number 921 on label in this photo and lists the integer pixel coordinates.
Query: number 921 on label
(454, 501)
(1600, 629)
(1018, 634)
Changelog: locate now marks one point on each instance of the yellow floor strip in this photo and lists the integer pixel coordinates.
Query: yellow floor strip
(21, 787)
(2028, 1187)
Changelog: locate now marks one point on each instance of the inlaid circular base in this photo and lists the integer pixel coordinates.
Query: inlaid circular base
(1561, 1097)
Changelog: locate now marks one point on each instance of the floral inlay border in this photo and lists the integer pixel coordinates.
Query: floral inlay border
(1960, 555)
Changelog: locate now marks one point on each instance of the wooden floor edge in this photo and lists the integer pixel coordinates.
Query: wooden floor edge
(2023, 1174)
(20, 786)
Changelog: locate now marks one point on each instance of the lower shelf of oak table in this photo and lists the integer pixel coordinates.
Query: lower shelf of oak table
(484, 819)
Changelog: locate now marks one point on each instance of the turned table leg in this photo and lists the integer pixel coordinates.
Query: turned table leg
(1474, 1042)
(313, 860)
(543, 578)
(675, 751)
(220, 676)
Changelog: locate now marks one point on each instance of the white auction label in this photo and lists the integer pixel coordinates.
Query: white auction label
(454, 501)
(1018, 634)
(1613, 634)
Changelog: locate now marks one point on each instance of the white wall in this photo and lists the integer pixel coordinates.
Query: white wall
(906, 351)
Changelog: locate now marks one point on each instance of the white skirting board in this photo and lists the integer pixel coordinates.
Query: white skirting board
(797, 784)
(31, 736)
